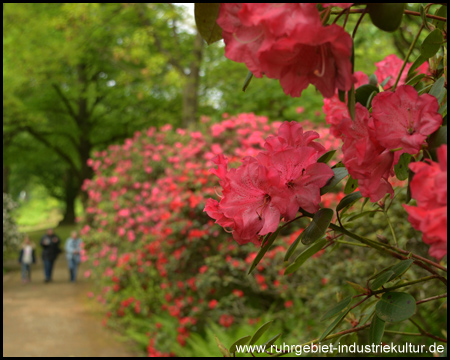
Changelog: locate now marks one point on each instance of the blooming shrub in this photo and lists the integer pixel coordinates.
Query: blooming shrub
(151, 246)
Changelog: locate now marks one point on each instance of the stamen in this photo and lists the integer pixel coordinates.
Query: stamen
(215, 190)
(322, 71)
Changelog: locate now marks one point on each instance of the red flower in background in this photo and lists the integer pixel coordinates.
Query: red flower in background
(429, 188)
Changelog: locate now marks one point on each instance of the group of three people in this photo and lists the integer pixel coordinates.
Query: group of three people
(50, 243)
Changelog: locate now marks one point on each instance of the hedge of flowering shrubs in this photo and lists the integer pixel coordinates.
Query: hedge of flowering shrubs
(11, 235)
(151, 245)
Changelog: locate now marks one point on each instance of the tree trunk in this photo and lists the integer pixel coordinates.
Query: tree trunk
(190, 90)
(70, 194)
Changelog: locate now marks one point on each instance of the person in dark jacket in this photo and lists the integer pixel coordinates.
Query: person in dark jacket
(50, 250)
(26, 258)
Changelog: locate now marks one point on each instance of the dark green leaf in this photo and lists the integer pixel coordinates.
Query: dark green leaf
(432, 43)
(366, 200)
(369, 101)
(339, 174)
(438, 88)
(333, 325)
(400, 268)
(293, 246)
(326, 157)
(423, 15)
(240, 342)
(260, 332)
(364, 92)
(437, 139)
(415, 79)
(348, 200)
(386, 16)
(395, 306)
(425, 89)
(271, 341)
(359, 289)
(359, 215)
(408, 191)
(205, 18)
(376, 330)
(419, 61)
(318, 226)
(442, 12)
(264, 249)
(341, 95)
(337, 309)
(351, 102)
(351, 185)
(381, 280)
(401, 169)
(367, 314)
(248, 78)
(305, 255)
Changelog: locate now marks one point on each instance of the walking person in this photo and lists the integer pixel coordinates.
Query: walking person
(73, 251)
(26, 258)
(50, 250)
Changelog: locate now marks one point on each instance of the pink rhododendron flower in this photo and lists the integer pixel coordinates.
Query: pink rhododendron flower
(390, 67)
(403, 119)
(289, 43)
(364, 158)
(429, 188)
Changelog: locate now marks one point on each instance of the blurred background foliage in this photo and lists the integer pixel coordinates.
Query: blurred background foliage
(79, 77)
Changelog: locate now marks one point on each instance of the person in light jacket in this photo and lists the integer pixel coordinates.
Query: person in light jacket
(73, 250)
(26, 258)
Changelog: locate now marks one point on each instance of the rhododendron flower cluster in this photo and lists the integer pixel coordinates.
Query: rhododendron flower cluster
(400, 123)
(270, 186)
(429, 188)
(288, 42)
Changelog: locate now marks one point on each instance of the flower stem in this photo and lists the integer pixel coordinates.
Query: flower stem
(390, 226)
(404, 284)
(413, 44)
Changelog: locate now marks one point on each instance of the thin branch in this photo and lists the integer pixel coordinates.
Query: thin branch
(408, 12)
(431, 298)
(65, 101)
(404, 284)
(427, 334)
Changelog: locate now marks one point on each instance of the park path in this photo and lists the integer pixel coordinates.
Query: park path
(54, 319)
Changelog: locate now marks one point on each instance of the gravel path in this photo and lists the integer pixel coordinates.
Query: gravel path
(54, 319)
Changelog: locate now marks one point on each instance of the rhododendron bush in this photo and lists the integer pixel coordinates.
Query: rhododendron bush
(230, 220)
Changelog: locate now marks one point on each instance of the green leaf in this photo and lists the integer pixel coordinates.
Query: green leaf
(359, 289)
(326, 157)
(424, 17)
(339, 174)
(264, 249)
(337, 309)
(364, 92)
(400, 268)
(386, 16)
(385, 81)
(248, 78)
(271, 341)
(438, 88)
(380, 280)
(376, 330)
(348, 200)
(373, 80)
(205, 18)
(415, 79)
(437, 139)
(240, 342)
(305, 255)
(442, 12)
(419, 61)
(408, 191)
(369, 101)
(368, 314)
(222, 348)
(341, 95)
(318, 226)
(351, 185)
(432, 43)
(351, 102)
(401, 169)
(260, 332)
(366, 200)
(359, 215)
(293, 246)
(395, 307)
(333, 325)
